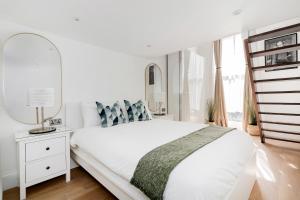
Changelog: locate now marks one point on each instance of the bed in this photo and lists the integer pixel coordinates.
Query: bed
(223, 169)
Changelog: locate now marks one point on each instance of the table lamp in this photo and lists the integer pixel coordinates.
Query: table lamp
(41, 98)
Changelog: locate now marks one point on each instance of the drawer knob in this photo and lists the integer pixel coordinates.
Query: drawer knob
(47, 148)
(48, 167)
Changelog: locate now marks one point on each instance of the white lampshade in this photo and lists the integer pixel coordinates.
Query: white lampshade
(41, 97)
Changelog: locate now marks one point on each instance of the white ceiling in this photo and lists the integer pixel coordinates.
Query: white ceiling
(130, 25)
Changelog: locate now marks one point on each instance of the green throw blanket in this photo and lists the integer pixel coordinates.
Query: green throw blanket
(152, 172)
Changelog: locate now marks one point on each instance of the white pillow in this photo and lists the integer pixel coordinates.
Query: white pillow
(90, 114)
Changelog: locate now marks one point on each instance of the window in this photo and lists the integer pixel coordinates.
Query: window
(233, 73)
(195, 77)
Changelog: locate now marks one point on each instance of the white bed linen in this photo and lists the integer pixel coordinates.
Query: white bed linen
(209, 173)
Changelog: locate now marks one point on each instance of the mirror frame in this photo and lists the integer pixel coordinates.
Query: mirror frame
(151, 64)
(3, 77)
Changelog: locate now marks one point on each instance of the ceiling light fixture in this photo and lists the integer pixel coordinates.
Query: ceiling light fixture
(237, 12)
(76, 19)
(148, 45)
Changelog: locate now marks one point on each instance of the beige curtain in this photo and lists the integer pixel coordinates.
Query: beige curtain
(247, 99)
(220, 115)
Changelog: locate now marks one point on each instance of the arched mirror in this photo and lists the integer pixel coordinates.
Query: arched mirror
(154, 94)
(32, 76)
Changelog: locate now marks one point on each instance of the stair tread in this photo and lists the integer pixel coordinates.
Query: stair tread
(281, 139)
(275, 33)
(280, 123)
(281, 131)
(278, 103)
(273, 51)
(277, 79)
(272, 113)
(278, 92)
(276, 65)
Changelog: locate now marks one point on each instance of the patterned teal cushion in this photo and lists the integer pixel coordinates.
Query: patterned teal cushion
(110, 116)
(136, 111)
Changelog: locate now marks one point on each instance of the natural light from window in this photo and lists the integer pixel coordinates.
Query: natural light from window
(233, 73)
(195, 78)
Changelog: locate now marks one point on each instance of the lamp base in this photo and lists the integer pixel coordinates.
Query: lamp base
(42, 130)
(159, 114)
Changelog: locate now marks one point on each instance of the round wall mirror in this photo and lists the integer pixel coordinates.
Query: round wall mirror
(32, 76)
(153, 89)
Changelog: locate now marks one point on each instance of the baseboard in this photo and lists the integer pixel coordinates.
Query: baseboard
(10, 180)
(73, 164)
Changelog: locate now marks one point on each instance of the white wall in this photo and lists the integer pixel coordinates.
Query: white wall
(89, 73)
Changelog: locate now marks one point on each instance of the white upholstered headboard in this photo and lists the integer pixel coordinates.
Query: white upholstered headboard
(73, 115)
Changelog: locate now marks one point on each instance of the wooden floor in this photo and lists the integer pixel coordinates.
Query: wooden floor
(278, 171)
(278, 178)
(82, 186)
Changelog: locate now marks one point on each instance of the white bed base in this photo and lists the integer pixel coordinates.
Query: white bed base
(123, 190)
(117, 185)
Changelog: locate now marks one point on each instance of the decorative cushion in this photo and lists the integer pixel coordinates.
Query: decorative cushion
(110, 116)
(136, 111)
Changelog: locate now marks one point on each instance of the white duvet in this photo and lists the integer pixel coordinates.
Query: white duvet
(209, 173)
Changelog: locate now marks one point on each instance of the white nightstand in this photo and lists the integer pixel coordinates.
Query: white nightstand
(166, 116)
(42, 157)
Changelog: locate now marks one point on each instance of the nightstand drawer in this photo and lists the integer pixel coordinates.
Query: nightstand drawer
(44, 148)
(45, 167)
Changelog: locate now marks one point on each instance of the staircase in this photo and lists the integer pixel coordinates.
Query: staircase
(276, 85)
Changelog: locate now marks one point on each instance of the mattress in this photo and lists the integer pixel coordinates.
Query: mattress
(209, 173)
